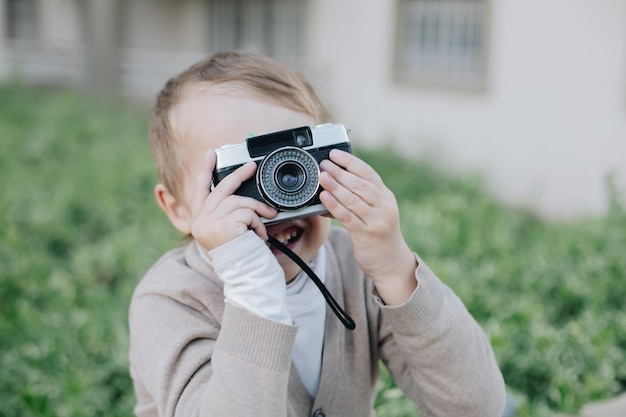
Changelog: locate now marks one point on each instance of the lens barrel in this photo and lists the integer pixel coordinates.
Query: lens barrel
(288, 178)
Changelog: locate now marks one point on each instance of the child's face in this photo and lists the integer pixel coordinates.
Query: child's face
(223, 115)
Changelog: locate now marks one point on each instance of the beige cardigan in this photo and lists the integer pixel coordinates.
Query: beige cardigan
(192, 355)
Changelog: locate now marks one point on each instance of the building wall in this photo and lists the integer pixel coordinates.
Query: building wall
(547, 128)
(60, 22)
(4, 60)
(161, 38)
(550, 125)
(166, 25)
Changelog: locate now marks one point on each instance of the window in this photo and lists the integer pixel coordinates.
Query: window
(442, 42)
(21, 19)
(271, 27)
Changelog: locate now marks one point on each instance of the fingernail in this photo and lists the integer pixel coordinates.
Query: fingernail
(324, 178)
(336, 153)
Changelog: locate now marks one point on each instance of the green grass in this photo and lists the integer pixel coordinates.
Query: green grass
(80, 228)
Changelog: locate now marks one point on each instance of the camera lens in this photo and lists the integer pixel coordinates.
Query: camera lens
(288, 178)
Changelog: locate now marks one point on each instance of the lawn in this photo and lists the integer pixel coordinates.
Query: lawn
(80, 228)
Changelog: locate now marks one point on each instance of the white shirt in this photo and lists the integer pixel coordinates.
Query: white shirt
(308, 310)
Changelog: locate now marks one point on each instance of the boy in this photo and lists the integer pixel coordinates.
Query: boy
(227, 326)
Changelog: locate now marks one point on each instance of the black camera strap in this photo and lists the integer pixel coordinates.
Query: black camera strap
(339, 312)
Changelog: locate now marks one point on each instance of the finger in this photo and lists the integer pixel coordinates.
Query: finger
(235, 202)
(357, 166)
(250, 220)
(365, 190)
(231, 183)
(339, 212)
(202, 185)
(258, 226)
(346, 198)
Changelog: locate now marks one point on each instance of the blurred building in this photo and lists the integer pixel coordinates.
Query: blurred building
(533, 92)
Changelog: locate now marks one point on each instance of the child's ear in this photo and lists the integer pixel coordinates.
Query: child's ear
(176, 211)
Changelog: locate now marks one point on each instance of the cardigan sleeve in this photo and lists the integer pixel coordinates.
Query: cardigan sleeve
(438, 355)
(184, 364)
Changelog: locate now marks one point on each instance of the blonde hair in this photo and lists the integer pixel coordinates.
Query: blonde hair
(257, 74)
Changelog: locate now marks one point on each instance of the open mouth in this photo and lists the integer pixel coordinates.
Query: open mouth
(287, 234)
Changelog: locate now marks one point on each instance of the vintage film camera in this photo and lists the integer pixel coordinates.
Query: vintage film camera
(287, 176)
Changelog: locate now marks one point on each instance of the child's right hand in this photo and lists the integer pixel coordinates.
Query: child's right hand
(219, 216)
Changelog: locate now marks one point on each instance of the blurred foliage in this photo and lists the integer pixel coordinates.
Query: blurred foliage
(550, 295)
(80, 228)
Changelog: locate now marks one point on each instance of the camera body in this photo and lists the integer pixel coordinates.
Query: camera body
(287, 176)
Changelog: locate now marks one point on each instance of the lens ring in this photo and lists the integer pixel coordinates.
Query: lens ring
(298, 188)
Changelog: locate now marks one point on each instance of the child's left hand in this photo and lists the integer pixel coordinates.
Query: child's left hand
(356, 196)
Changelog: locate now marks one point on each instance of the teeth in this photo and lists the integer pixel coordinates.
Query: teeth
(285, 236)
